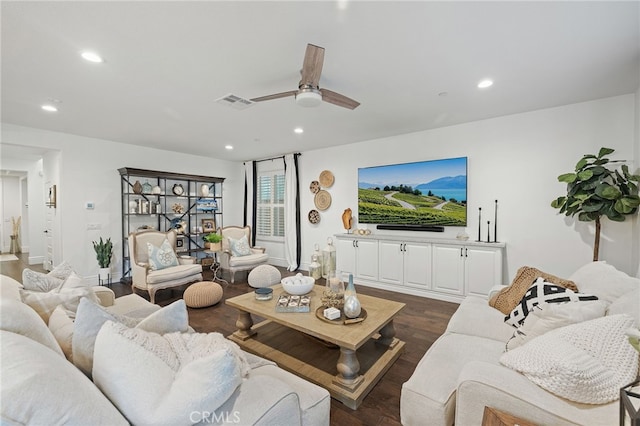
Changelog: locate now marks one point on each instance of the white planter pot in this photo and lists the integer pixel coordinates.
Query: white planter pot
(104, 273)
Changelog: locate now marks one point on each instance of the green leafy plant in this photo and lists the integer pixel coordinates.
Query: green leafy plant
(594, 191)
(213, 238)
(104, 251)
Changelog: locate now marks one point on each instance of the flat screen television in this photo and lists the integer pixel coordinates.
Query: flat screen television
(424, 193)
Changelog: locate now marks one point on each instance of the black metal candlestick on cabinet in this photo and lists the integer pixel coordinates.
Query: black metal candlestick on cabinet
(192, 204)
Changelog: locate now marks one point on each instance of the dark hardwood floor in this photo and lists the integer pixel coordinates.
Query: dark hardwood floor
(419, 324)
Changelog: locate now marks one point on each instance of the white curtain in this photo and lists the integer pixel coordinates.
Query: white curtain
(292, 248)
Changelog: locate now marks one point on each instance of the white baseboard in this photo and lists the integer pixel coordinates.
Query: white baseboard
(35, 260)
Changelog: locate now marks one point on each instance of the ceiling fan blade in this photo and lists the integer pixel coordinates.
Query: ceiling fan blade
(338, 99)
(275, 96)
(312, 65)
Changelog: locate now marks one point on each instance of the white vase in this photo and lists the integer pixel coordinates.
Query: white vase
(352, 306)
(204, 190)
(104, 273)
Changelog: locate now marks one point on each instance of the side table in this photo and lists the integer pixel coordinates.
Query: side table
(215, 266)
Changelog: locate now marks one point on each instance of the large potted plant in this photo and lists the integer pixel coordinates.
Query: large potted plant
(104, 251)
(596, 190)
(213, 241)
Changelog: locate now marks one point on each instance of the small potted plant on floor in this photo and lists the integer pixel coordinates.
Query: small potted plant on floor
(213, 241)
(104, 251)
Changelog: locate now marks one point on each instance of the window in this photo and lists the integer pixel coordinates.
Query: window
(270, 206)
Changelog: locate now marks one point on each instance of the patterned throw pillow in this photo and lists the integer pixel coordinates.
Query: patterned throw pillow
(507, 298)
(240, 247)
(162, 257)
(543, 292)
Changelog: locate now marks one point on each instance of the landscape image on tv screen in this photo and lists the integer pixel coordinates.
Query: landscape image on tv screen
(422, 193)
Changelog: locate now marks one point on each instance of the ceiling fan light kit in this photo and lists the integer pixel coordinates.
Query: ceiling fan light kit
(308, 98)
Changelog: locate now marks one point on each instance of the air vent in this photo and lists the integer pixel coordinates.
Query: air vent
(234, 101)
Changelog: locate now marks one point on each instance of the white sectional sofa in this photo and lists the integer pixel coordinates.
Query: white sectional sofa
(40, 386)
(461, 373)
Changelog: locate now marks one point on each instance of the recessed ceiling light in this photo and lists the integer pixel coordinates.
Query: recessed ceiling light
(92, 57)
(228, 147)
(485, 83)
(49, 108)
(298, 130)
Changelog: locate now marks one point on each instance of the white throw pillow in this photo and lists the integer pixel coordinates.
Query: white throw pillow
(161, 257)
(42, 388)
(240, 247)
(543, 292)
(18, 318)
(549, 316)
(604, 280)
(61, 326)
(91, 316)
(587, 362)
(45, 303)
(37, 281)
(628, 304)
(163, 380)
(62, 271)
(74, 281)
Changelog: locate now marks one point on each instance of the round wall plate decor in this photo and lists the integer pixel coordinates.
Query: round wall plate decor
(326, 179)
(314, 187)
(322, 200)
(314, 216)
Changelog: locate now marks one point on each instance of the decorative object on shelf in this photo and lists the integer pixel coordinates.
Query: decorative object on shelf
(479, 223)
(156, 207)
(213, 241)
(315, 268)
(137, 187)
(177, 208)
(363, 231)
(333, 295)
(104, 251)
(314, 187)
(314, 216)
(204, 190)
(328, 258)
(326, 179)
(322, 200)
(179, 243)
(298, 284)
(51, 200)
(594, 191)
(178, 189)
(488, 231)
(156, 190)
(146, 187)
(340, 319)
(347, 219)
(208, 205)
(495, 223)
(462, 236)
(178, 224)
(317, 252)
(352, 306)
(208, 225)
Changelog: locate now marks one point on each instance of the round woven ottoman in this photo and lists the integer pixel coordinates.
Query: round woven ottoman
(264, 276)
(202, 294)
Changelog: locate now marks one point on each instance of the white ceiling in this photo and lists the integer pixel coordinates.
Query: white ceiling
(167, 63)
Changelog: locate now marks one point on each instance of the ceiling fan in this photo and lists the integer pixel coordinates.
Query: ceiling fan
(309, 94)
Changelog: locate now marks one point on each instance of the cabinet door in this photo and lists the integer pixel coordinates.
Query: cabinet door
(367, 259)
(391, 262)
(483, 269)
(346, 256)
(448, 269)
(417, 265)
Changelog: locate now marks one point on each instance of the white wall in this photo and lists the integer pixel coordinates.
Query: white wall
(514, 159)
(88, 171)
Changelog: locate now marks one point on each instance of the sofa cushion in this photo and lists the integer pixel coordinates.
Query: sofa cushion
(549, 316)
(604, 280)
(252, 259)
(428, 397)
(475, 318)
(40, 387)
(629, 304)
(543, 292)
(45, 303)
(91, 316)
(155, 379)
(10, 288)
(161, 257)
(132, 306)
(38, 281)
(507, 298)
(175, 273)
(18, 318)
(587, 362)
(61, 326)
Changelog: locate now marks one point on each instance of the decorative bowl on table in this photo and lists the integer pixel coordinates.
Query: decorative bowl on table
(298, 284)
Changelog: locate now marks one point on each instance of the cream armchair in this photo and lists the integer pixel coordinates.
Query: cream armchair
(234, 263)
(144, 278)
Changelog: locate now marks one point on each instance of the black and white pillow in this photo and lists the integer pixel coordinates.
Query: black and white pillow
(542, 291)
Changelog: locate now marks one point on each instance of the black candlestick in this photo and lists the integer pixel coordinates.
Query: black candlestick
(495, 224)
(479, 222)
(488, 230)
